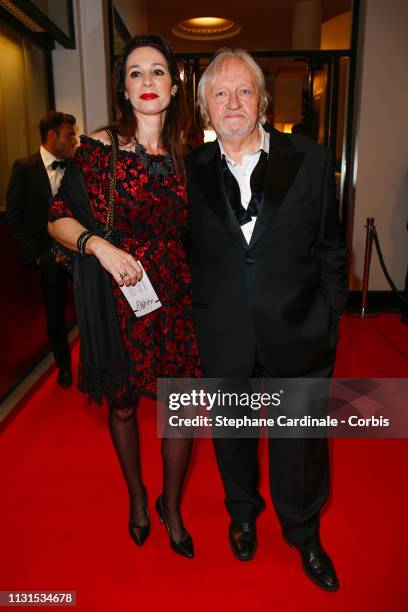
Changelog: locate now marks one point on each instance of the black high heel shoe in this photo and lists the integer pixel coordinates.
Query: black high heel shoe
(182, 547)
(139, 533)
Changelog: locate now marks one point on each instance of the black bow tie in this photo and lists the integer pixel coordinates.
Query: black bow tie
(234, 194)
(59, 163)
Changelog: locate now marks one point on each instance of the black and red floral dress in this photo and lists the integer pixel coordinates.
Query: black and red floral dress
(150, 216)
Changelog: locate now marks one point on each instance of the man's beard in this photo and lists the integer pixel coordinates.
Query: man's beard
(239, 131)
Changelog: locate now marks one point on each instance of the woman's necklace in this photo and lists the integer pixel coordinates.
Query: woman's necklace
(158, 165)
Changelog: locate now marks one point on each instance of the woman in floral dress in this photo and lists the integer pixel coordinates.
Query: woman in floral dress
(150, 214)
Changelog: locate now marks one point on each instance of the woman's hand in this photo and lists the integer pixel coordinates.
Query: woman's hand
(123, 267)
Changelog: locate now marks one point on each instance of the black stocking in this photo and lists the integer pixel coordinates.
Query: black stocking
(176, 457)
(125, 437)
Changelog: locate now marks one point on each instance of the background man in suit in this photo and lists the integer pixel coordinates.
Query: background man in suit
(34, 180)
(269, 285)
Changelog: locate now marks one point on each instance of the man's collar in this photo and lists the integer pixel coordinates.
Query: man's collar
(264, 146)
(280, 142)
(265, 140)
(47, 157)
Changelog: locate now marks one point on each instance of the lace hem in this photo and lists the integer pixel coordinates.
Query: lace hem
(110, 383)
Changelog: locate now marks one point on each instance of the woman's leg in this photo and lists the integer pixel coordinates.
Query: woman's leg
(176, 454)
(125, 437)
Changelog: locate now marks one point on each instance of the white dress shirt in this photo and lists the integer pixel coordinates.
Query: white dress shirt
(242, 172)
(55, 176)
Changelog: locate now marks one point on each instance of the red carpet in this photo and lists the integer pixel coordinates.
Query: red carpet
(64, 511)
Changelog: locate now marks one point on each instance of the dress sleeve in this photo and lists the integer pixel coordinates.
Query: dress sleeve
(58, 209)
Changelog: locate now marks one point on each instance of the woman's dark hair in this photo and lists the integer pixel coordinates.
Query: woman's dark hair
(177, 120)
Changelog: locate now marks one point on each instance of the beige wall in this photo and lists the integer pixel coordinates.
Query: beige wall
(381, 188)
(67, 78)
(81, 75)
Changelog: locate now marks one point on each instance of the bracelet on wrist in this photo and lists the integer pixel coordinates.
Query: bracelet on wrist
(85, 240)
(82, 240)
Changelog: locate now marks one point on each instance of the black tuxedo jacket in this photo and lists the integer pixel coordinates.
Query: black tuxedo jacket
(28, 196)
(275, 302)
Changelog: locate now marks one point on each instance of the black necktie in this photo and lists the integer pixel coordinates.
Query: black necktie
(234, 194)
(59, 163)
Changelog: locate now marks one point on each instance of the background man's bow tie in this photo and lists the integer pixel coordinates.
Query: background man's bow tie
(59, 163)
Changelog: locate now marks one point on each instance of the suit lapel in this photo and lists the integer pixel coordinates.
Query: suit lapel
(283, 165)
(210, 180)
(42, 178)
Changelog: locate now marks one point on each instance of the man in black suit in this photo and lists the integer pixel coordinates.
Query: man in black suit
(268, 271)
(34, 180)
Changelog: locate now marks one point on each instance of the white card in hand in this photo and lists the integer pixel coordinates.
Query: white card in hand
(142, 297)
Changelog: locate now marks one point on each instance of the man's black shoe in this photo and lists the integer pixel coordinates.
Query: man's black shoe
(64, 378)
(242, 537)
(318, 566)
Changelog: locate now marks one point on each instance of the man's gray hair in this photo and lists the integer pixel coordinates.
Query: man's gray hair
(214, 68)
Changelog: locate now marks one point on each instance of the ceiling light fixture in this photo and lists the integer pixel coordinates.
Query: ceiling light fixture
(206, 28)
